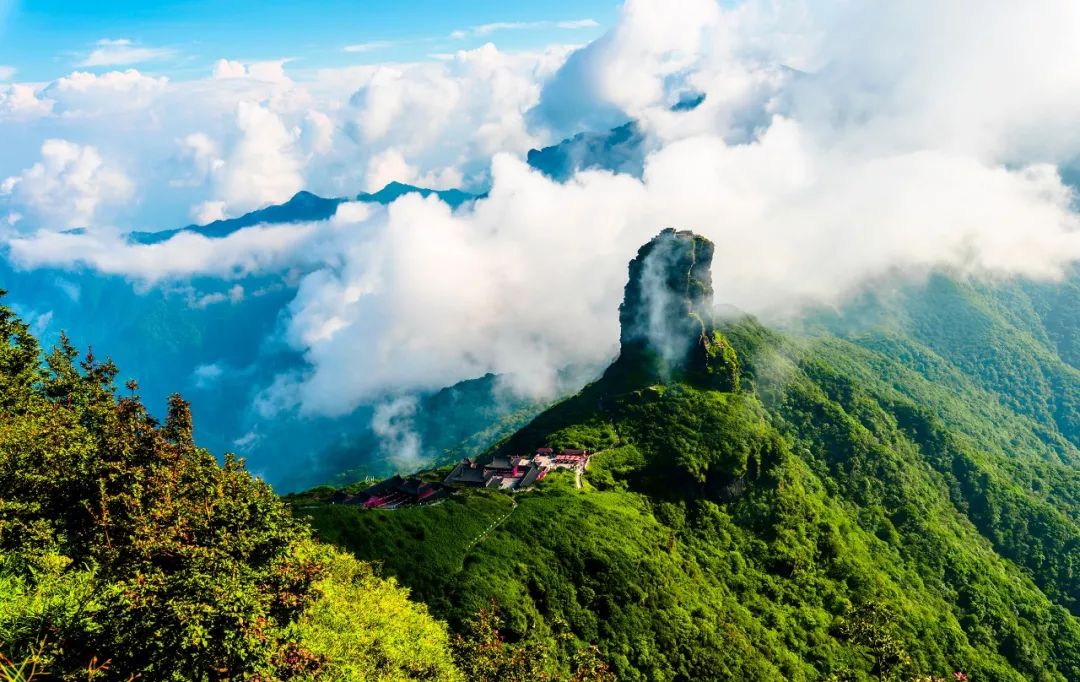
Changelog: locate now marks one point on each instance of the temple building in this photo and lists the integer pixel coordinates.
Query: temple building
(516, 472)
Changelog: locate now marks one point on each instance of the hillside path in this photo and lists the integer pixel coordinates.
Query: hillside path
(494, 524)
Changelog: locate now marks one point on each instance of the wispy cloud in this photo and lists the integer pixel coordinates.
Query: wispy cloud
(6, 72)
(487, 29)
(123, 52)
(576, 24)
(494, 27)
(371, 46)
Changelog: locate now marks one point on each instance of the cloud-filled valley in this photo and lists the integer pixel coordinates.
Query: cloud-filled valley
(820, 160)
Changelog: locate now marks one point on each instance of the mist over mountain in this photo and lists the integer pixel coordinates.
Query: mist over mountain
(220, 342)
(234, 363)
(877, 494)
(822, 162)
(715, 340)
(214, 340)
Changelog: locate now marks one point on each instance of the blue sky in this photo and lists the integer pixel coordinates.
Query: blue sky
(42, 39)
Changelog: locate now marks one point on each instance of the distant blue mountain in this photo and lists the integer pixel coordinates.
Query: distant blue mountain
(304, 207)
(619, 150)
(689, 101)
(452, 197)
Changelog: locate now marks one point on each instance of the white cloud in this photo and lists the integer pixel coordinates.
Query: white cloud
(271, 71)
(254, 250)
(206, 376)
(201, 156)
(82, 94)
(386, 167)
(530, 280)
(319, 131)
(482, 30)
(262, 166)
(371, 46)
(434, 297)
(245, 442)
(208, 212)
(199, 302)
(393, 423)
(351, 213)
(447, 119)
(576, 24)
(921, 141)
(40, 322)
(627, 70)
(67, 186)
(225, 68)
(488, 29)
(123, 52)
(7, 72)
(19, 102)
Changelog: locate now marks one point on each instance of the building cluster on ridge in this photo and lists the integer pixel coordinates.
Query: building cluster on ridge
(517, 472)
(392, 493)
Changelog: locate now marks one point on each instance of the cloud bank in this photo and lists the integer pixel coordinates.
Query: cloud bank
(121, 52)
(333, 131)
(821, 158)
(67, 186)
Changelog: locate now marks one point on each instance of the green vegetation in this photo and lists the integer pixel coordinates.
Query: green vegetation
(126, 551)
(888, 494)
(433, 540)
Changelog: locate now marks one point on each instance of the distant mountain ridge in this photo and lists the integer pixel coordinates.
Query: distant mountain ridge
(620, 150)
(303, 207)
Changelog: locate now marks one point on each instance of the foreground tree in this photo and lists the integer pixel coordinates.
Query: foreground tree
(126, 550)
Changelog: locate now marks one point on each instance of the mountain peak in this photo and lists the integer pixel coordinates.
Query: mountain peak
(668, 290)
(666, 315)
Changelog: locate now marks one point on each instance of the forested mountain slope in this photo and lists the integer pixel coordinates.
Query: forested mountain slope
(127, 552)
(889, 492)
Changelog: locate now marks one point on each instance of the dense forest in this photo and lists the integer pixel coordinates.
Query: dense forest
(888, 492)
(127, 552)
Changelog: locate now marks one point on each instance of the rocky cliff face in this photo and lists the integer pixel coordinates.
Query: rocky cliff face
(666, 313)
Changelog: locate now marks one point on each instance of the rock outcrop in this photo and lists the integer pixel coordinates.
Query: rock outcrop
(666, 315)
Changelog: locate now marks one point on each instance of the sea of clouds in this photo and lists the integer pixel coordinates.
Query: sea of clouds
(838, 143)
